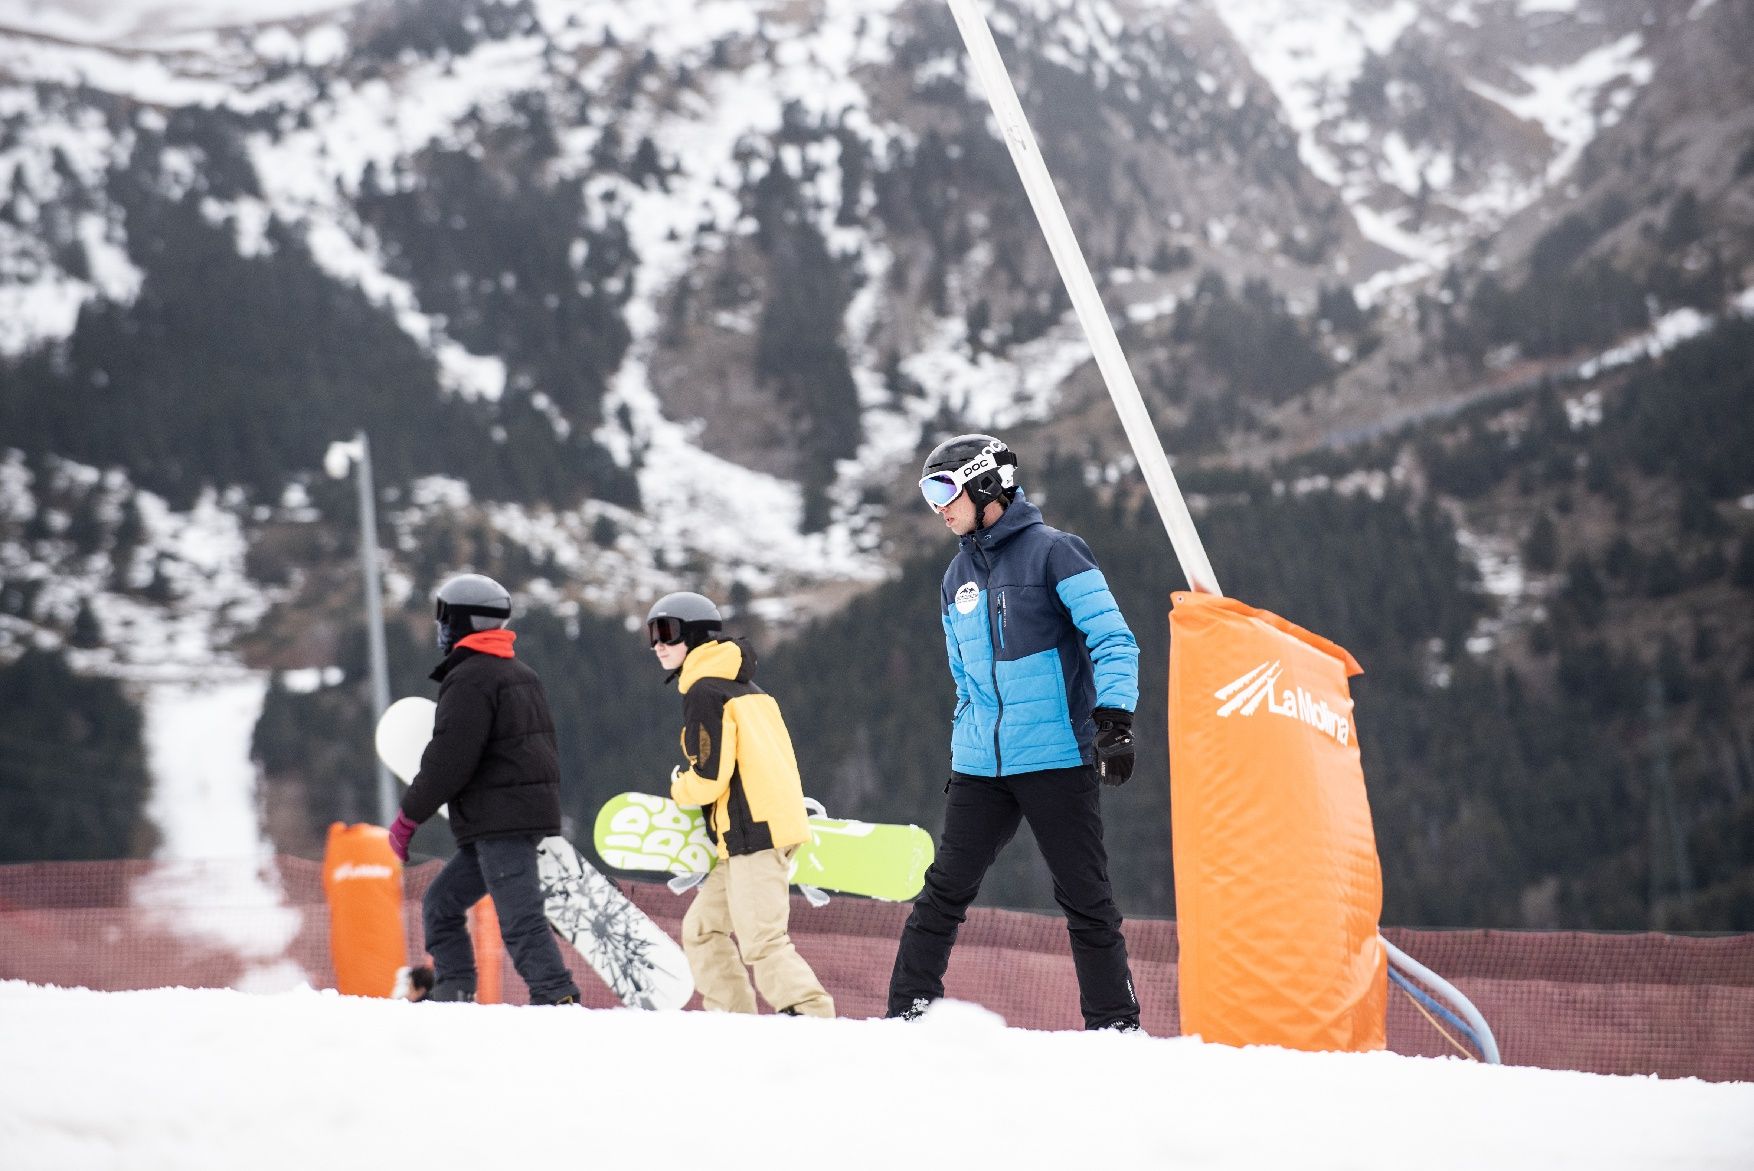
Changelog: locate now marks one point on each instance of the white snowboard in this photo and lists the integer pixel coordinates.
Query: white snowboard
(642, 965)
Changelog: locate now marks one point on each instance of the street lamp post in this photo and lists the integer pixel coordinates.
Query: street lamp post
(358, 455)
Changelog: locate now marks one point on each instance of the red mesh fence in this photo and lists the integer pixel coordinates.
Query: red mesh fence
(1677, 1006)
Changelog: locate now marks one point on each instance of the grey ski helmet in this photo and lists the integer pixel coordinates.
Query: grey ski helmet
(980, 463)
(467, 603)
(683, 617)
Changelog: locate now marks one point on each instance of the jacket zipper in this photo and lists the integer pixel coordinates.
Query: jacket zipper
(998, 757)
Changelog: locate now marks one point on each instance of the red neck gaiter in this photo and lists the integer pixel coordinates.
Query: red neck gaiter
(497, 643)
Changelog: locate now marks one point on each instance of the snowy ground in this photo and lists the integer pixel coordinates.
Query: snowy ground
(187, 1080)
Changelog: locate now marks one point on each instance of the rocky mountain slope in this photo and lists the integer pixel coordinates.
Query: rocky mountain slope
(629, 297)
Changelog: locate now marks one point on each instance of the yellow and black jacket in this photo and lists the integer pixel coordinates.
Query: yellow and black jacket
(744, 774)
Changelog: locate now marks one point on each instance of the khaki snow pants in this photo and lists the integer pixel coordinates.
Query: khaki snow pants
(749, 898)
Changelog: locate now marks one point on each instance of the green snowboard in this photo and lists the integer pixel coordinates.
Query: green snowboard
(640, 832)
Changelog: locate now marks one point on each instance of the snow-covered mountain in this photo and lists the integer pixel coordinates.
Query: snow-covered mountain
(627, 294)
(1304, 143)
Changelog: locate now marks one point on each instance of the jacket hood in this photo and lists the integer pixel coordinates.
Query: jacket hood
(719, 659)
(1018, 515)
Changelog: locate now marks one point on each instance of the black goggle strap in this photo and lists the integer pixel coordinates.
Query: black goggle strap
(443, 611)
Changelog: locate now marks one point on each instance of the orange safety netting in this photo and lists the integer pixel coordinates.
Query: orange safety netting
(1677, 1006)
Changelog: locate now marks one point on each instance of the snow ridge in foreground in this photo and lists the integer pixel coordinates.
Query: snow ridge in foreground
(221, 1079)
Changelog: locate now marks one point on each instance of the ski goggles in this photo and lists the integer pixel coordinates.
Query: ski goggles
(442, 611)
(940, 488)
(664, 630)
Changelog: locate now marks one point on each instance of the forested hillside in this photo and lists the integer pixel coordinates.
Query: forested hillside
(1556, 766)
(1565, 765)
(1442, 309)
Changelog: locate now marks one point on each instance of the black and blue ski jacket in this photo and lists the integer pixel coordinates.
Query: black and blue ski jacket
(1036, 643)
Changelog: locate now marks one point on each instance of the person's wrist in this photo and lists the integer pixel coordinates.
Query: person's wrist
(401, 832)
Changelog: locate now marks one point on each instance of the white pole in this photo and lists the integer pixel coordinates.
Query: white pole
(374, 614)
(1135, 420)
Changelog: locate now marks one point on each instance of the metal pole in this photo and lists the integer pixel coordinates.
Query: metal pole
(1135, 419)
(374, 615)
(1463, 1006)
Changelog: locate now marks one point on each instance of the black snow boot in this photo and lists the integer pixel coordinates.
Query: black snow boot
(454, 991)
(563, 998)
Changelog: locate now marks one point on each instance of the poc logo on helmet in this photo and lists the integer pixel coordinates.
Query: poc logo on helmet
(968, 596)
(987, 461)
(1248, 691)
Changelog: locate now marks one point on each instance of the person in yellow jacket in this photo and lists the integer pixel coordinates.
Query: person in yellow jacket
(744, 776)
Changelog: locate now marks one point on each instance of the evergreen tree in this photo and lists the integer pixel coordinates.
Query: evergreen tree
(1542, 547)
(73, 779)
(87, 632)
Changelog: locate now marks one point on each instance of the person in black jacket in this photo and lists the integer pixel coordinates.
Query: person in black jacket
(493, 759)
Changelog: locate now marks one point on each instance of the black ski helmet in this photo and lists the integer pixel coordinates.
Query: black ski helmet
(980, 463)
(683, 617)
(467, 603)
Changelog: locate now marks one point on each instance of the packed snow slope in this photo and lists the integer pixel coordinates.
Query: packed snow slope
(185, 1079)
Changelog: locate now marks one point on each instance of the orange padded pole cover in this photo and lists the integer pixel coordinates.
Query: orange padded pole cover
(362, 881)
(1277, 885)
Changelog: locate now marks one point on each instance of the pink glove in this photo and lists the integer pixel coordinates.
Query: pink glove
(400, 831)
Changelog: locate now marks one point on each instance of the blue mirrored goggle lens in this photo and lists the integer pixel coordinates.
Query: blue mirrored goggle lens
(940, 489)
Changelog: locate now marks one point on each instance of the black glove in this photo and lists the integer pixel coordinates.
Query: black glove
(1114, 744)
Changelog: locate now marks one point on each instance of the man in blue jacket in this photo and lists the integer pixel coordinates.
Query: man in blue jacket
(1047, 677)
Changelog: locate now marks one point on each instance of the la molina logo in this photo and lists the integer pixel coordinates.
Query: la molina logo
(1246, 693)
(351, 871)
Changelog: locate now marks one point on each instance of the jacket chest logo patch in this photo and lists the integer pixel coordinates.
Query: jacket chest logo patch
(968, 596)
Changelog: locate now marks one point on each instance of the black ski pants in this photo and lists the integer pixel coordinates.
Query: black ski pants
(506, 869)
(980, 817)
